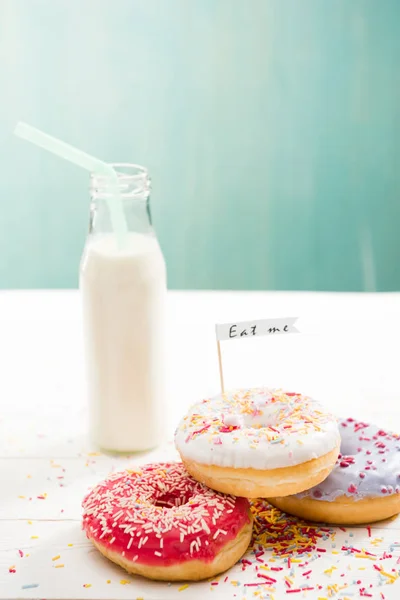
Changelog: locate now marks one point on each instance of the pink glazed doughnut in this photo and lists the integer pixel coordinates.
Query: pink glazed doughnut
(160, 523)
(363, 487)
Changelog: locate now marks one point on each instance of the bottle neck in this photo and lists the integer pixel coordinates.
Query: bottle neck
(137, 216)
(134, 196)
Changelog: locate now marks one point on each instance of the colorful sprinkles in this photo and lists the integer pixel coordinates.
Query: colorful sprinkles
(291, 558)
(285, 551)
(285, 427)
(367, 467)
(159, 513)
(274, 530)
(288, 558)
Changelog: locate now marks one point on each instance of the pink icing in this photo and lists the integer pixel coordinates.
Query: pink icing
(160, 515)
(368, 466)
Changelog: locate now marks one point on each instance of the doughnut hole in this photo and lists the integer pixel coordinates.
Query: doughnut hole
(172, 499)
(261, 416)
(260, 413)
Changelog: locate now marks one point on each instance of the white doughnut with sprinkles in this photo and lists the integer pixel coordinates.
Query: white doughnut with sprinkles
(160, 523)
(258, 442)
(363, 487)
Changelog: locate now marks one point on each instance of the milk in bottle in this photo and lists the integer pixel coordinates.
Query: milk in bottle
(123, 292)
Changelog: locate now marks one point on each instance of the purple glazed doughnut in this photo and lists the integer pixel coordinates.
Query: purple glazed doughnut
(364, 485)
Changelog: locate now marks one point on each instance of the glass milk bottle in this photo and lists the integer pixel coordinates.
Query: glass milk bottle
(123, 292)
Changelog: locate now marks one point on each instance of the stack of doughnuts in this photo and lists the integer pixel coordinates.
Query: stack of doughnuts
(192, 520)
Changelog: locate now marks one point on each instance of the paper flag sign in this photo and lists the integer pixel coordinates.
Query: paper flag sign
(248, 329)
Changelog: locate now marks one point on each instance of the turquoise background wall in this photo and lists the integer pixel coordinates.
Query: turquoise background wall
(271, 129)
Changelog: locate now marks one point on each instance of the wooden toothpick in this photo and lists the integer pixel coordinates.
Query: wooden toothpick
(221, 373)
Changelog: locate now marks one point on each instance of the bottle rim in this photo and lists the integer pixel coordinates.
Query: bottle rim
(133, 181)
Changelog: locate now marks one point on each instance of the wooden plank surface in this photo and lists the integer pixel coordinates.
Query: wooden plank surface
(84, 565)
(47, 463)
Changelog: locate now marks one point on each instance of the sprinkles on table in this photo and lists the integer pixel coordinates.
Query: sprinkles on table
(285, 551)
(276, 531)
(283, 556)
(29, 586)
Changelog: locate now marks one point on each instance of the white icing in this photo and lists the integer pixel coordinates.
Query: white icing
(270, 429)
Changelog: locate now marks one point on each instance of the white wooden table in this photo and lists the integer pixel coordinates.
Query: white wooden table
(348, 356)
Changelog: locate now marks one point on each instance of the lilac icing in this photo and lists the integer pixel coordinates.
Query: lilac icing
(368, 464)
